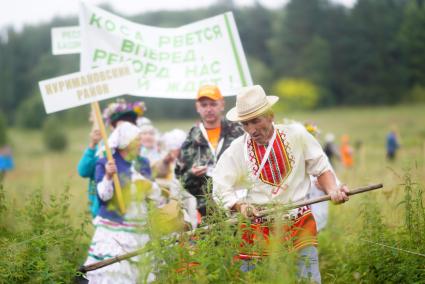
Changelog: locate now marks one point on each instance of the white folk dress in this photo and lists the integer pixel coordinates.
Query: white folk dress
(113, 238)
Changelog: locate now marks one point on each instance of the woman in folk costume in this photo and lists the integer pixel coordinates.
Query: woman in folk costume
(118, 233)
(113, 114)
(273, 163)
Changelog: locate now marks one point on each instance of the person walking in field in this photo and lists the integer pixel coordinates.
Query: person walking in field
(392, 145)
(116, 232)
(273, 163)
(204, 145)
(346, 152)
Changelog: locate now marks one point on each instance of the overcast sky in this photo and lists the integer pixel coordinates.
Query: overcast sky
(20, 12)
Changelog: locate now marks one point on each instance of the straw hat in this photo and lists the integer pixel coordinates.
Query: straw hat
(250, 103)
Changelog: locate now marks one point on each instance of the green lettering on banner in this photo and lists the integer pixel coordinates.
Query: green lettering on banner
(198, 33)
(215, 67)
(71, 34)
(163, 73)
(164, 56)
(127, 46)
(178, 41)
(164, 40)
(137, 66)
(99, 54)
(208, 34)
(150, 53)
(110, 26)
(190, 56)
(150, 68)
(217, 31)
(189, 39)
(95, 20)
(113, 58)
(177, 57)
(203, 70)
(235, 52)
(130, 47)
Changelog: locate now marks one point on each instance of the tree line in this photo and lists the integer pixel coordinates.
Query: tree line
(370, 54)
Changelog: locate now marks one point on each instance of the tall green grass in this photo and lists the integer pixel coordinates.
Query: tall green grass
(391, 216)
(38, 243)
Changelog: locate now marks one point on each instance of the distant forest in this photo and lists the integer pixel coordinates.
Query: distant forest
(370, 54)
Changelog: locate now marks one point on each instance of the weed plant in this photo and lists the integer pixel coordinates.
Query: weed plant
(38, 243)
(379, 253)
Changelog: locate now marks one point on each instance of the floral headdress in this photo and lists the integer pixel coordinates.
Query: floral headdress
(119, 108)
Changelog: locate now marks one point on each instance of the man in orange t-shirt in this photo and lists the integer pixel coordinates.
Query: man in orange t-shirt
(204, 144)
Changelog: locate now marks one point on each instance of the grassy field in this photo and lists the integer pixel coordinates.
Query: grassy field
(52, 172)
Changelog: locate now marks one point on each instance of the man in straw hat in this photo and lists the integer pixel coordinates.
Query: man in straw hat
(273, 163)
(204, 144)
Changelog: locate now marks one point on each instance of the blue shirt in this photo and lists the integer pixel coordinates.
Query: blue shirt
(86, 169)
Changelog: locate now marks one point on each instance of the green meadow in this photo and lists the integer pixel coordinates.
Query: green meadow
(344, 245)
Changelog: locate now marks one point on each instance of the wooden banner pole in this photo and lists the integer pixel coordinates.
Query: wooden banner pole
(117, 185)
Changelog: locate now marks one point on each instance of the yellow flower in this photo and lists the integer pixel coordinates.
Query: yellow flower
(139, 110)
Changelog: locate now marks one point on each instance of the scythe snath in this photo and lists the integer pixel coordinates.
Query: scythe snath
(122, 257)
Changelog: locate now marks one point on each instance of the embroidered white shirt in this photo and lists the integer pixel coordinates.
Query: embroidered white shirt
(234, 173)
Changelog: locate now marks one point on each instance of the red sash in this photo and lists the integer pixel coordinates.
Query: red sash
(298, 233)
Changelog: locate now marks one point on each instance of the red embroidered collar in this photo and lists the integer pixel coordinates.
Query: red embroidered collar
(278, 165)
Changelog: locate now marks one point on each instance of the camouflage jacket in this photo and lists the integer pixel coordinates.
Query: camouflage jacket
(195, 151)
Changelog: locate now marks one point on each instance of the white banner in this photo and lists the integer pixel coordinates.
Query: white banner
(66, 40)
(81, 88)
(169, 62)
